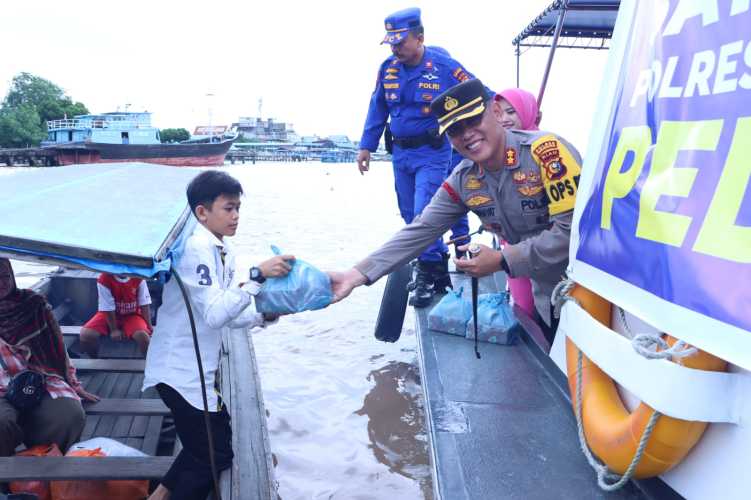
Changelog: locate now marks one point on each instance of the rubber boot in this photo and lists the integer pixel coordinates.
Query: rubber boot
(441, 277)
(422, 287)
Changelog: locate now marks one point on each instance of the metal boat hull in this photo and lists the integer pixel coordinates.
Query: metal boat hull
(178, 155)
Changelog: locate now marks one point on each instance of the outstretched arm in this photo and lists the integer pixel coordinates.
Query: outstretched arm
(343, 282)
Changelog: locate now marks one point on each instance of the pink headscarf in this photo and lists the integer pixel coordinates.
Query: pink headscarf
(525, 105)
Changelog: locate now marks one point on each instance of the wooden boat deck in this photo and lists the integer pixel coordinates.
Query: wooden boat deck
(140, 419)
(502, 426)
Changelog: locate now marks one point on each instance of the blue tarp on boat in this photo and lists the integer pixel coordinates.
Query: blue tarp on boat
(119, 217)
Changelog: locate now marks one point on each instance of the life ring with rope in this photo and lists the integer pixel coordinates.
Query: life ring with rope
(612, 432)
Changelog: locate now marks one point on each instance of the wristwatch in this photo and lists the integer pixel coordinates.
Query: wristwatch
(256, 275)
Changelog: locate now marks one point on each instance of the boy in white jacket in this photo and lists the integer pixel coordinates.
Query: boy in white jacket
(207, 268)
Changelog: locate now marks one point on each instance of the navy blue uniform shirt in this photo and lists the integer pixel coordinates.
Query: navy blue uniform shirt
(405, 94)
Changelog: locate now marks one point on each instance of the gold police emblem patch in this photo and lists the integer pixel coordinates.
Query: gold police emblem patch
(450, 103)
(479, 200)
(473, 183)
(529, 190)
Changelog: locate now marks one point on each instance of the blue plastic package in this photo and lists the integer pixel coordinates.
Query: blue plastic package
(305, 288)
(451, 314)
(495, 320)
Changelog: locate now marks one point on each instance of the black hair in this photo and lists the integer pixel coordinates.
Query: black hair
(210, 185)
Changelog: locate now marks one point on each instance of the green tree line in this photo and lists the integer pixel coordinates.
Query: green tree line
(174, 134)
(30, 102)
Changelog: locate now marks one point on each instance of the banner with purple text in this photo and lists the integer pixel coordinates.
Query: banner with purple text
(669, 211)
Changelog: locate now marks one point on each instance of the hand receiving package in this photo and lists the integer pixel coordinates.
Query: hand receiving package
(305, 288)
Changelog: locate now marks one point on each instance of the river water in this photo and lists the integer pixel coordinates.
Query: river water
(345, 411)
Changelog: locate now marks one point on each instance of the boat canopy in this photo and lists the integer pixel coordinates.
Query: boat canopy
(123, 218)
(583, 24)
(586, 24)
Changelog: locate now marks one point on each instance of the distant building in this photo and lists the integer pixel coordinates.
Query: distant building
(258, 130)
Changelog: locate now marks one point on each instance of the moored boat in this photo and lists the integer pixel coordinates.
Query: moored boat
(127, 137)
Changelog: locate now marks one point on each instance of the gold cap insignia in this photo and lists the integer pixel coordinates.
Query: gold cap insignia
(450, 103)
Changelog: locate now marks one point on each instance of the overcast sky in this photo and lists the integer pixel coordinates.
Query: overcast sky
(314, 63)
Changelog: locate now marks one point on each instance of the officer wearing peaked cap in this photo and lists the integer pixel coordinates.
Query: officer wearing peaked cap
(522, 185)
(407, 84)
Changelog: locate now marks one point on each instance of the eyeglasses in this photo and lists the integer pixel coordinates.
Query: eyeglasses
(459, 127)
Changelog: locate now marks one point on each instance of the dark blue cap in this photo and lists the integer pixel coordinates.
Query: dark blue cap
(400, 23)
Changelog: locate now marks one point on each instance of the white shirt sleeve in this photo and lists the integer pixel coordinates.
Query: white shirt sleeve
(217, 306)
(105, 298)
(250, 317)
(144, 297)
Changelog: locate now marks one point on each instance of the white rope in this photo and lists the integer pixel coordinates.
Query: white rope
(606, 479)
(653, 346)
(603, 473)
(561, 295)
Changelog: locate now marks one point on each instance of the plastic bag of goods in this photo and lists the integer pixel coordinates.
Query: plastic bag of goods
(305, 288)
(496, 321)
(451, 314)
(39, 488)
(105, 489)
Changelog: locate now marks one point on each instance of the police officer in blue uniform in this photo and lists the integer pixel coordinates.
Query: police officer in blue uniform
(407, 83)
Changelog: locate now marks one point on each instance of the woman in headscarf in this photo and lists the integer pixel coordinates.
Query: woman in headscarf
(519, 108)
(30, 339)
(519, 111)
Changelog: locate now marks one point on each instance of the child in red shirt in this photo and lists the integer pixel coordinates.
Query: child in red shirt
(124, 311)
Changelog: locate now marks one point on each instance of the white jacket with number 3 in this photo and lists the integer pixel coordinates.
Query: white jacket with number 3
(216, 305)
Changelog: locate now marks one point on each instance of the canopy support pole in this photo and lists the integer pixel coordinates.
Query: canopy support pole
(518, 60)
(554, 44)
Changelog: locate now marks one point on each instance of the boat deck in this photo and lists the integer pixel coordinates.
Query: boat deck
(141, 420)
(502, 426)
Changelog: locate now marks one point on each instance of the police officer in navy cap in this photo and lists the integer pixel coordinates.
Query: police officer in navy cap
(408, 82)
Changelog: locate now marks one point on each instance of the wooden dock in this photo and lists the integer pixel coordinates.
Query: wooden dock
(28, 157)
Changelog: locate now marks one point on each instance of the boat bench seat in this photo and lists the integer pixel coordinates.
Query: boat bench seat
(70, 330)
(121, 349)
(117, 406)
(56, 468)
(110, 365)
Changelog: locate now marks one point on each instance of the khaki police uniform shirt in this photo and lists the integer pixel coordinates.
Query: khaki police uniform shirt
(529, 203)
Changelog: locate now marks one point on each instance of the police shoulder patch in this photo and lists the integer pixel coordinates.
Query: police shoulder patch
(560, 171)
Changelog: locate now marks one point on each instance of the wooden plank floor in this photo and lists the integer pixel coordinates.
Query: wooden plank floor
(141, 432)
(108, 348)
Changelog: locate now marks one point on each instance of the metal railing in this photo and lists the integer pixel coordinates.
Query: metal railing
(89, 123)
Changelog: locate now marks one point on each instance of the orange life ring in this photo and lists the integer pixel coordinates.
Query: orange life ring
(611, 431)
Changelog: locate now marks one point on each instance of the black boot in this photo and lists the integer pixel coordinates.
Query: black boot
(422, 287)
(441, 277)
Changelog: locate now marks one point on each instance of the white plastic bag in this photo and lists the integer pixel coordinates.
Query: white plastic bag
(110, 447)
